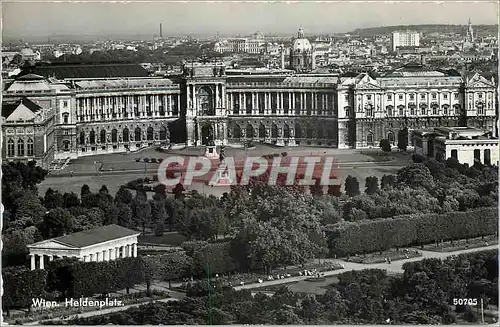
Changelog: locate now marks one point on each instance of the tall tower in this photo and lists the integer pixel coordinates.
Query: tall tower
(161, 32)
(470, 32)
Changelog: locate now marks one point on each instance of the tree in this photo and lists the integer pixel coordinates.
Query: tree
(85, 191)
(416, 175)
(71, 200)
(178, 190)
(385, 145)
(53, 199)
(351, 186)
(371, 185)
(124, 215)
(403, 139)
(57, 222)
(104, 190)
(123, 195)
(273, 226)
(388, 181)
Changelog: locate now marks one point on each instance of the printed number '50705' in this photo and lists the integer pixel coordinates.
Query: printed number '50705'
(464, 301)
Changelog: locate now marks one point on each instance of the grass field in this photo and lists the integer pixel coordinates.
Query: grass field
(172, 238)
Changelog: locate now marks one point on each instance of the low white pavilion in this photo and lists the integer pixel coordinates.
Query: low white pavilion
(99, 244)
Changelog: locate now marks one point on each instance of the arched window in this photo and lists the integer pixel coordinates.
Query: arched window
(66, 145)
(30, 147)
(262, 131)
(298, 131)
(82, 137)
(92, 137)
(237, 132)
(20, 148)
(274, 131)
(65, 118)
(369, 139)
(163, 133)
(249, 133)
(114, 136)
(138, 136)
(149, 133)
(206, 102)
(391, 137)
(10, 148)
(390, 111)
(126, 135)
(103, 136)
(286, 131)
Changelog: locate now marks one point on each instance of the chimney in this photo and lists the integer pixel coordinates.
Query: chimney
(161, 32)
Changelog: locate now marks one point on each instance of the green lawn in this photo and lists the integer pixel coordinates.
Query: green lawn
(173, 238)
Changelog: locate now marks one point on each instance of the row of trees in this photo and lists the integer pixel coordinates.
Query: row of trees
(422, 295)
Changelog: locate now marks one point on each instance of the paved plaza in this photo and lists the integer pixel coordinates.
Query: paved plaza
(114, 170)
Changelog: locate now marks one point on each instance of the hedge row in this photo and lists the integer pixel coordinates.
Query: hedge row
(21, 286)
(367, 236)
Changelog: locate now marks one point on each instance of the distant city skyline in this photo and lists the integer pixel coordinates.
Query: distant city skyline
(39, 20)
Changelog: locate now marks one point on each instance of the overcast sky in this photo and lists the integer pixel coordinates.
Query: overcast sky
(30, 19)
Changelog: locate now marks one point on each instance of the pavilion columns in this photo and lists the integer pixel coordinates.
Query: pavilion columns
(33, 262)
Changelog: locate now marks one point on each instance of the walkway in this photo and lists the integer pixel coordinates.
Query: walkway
(394, 267)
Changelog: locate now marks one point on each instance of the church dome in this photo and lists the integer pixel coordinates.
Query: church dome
(301, 44)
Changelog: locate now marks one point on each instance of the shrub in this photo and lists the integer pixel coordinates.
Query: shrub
(137, 159)
(153, 160)
(385, 145)
(418, 158)
(159, 160)
(284, 154)
(349, 238)
(146, 160)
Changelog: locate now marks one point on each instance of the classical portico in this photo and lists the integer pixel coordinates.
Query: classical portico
(105, 243)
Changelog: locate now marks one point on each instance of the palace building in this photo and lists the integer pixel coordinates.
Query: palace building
(69, 111)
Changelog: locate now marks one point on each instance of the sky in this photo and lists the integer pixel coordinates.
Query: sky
(23, 19)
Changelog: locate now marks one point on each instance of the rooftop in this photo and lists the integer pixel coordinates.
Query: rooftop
(94, 236)
(90, 71)
(9, 107)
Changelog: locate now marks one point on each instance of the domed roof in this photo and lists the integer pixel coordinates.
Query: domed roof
(301, 44)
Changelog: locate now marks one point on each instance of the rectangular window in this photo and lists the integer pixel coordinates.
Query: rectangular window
(434, 96)
(65, 104)
(422, 96)
(456, 96)
(445, 96)
(412, 97)
(389, 97)
(368, 97)
(400, 97)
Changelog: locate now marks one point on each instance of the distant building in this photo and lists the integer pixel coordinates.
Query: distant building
(466, 144)
(301, 53)
(404, 39)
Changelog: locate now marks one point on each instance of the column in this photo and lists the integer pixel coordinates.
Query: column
(33, 262)
(216, 95)
(91, 257)
(122, 251)
(129, 246)
(98, 256)
(135, 250)
(41, 261)
(240, 100)
(105, 255)
(281, 103)
(85, 258)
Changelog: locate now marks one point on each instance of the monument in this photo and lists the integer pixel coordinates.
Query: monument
(222, 171)
(211, 149)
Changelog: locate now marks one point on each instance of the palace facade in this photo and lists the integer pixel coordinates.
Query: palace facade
(61, 112)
